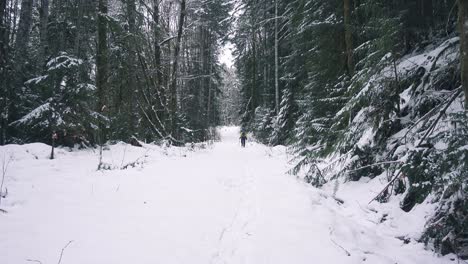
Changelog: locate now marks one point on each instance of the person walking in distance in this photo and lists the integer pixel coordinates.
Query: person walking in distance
(243, 138)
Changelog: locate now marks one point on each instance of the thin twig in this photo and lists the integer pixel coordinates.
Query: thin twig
(386, 186)
(63, 249)
(333, 241)
(34, 260)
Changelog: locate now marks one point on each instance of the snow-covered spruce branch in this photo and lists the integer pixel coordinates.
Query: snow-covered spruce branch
(442, 112)
(426, 118)
(426, 135)
(375, 164)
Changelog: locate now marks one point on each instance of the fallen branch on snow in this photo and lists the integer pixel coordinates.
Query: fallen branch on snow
(63, 249)
(338, 245)
(34, 260)
(61, 254)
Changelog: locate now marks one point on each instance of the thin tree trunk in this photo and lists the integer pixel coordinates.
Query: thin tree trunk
(210, 65)
(101, 57)
(3, 31)
(277, 100)
(132, 88)
(12, 18)
(3, 61)
(348, 37)
(157, 52)
(254, 75)
(44, 19)
(463, 28)
(79, 28)
(173, 89)
(265, 54)
(201, 71)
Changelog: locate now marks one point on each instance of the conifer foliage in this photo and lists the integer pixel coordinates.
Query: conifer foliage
(110, 68)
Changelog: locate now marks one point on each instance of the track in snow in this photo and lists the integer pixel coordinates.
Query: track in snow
(221, 205)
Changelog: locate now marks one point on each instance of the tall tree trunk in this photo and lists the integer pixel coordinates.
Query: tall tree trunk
(44, 20)
(157, 50)
(210, 71)
(131, 87)
(348, 37)
(160, 91)
(265, 54)
(253, 90)
(102, 57)
(3, 62)
(277, 100)
(463, 28)
(24, 28)
(173, 89)
(3, 33)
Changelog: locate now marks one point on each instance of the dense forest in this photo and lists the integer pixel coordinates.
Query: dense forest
(363, 88)
(354, 88)
(110, 70)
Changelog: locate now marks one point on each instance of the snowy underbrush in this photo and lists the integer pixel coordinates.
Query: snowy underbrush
(405, 136)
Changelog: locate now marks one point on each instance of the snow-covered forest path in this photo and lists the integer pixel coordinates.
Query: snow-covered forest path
(223, 204)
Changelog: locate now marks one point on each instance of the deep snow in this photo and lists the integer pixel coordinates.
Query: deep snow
(222, 204)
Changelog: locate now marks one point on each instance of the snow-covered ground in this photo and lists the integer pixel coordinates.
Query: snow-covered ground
(222, 204)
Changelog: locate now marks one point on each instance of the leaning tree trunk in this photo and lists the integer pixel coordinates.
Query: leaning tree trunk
(348, 37)
(173, 88)
(463, 27)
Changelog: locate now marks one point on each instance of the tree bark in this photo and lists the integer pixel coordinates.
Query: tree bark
(463, 28)
(131, 88)
(160, 91)
(173, 89)
(210, 72)
(348, 37)
(253, 90)
(277, 100)
(102, 57)
(157, 51)
(24, 29)
(3, 91)
(3, 32)
(44, 19)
